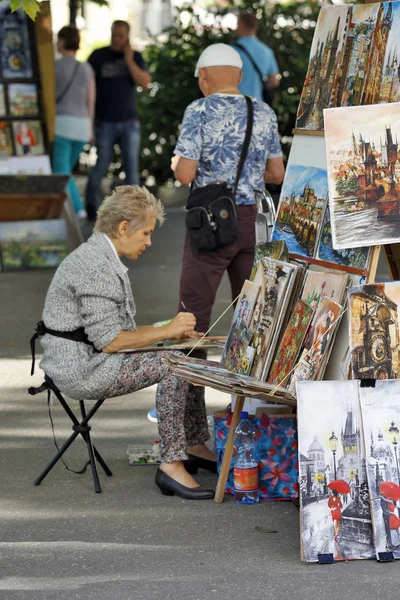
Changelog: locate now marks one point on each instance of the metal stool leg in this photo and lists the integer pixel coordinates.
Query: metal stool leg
(88, 440)
(57, 457)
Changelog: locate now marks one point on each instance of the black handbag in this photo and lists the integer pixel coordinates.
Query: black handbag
(211, 216)
(267, 94)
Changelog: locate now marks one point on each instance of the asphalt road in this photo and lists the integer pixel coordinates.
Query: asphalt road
(61, 541)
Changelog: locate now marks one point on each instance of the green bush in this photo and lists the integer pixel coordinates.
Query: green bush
(287, 28)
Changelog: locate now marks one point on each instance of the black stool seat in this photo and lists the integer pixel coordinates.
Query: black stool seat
(78, 427)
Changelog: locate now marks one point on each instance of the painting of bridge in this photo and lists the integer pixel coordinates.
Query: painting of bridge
(301, 209)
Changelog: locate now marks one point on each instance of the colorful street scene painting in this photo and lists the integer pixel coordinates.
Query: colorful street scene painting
(303, 197)
(32, 244)
(353, 61)
(363, 174)
(23, 99)
(334, 496)
(291, 344)
(381, 419)
(374, 330)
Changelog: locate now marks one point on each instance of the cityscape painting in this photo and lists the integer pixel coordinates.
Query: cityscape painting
(303, 197)
(381, 417)
(334, 495)
(374, 330)
(353, 61)
(363, 174)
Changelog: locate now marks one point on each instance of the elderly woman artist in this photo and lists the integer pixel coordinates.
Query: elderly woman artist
(91, 290)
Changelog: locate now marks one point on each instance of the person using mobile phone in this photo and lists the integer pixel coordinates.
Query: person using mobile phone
(119, 70)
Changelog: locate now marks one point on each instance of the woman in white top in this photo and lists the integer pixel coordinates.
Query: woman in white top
(76, 95)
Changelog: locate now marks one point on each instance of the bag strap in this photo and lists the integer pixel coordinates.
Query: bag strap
(70, 82)
(253, 62)
(247, 138)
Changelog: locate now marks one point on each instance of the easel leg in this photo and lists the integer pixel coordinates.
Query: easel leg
(223, 476)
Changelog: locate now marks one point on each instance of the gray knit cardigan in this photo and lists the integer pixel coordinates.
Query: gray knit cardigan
(90, 289)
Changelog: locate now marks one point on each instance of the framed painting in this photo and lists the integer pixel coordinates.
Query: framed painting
(374, 330)
(381, 418)
(28, 138)
(15, 52)
(363, 174)
(6, 147)
(324, 284)
(3, 111)
(23, 99)
(334, 497)
(33, 244)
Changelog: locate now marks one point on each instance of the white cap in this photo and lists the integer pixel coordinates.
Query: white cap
(218, 55)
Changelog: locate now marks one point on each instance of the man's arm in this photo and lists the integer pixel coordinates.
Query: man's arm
(184, 168)
(140, 76)
(273, 80)
(274, 170)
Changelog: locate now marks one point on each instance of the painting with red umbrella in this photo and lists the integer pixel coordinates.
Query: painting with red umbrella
(334, 499)
(380, 408)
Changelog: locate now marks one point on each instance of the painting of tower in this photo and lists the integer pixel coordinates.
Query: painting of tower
(354, 60)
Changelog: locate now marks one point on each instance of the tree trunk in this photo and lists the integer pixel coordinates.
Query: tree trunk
(73, 11)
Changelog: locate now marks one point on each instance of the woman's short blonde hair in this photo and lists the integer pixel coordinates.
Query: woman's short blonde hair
(128, 203)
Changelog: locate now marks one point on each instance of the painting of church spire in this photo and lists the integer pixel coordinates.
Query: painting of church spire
(353, 60)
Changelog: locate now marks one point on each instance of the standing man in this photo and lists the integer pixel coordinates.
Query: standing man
(208, 150)
(259, 63)
(118, 70)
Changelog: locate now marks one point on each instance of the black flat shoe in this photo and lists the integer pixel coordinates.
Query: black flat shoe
(169, 487)
(203, 463)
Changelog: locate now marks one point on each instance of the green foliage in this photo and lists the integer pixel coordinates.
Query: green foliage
(287, 28)
(31, 7)
(341, 187)
(352, 184)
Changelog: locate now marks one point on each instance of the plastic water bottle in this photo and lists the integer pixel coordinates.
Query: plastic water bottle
(245, 472)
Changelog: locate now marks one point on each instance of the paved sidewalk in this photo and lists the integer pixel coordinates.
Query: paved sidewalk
(61, 541)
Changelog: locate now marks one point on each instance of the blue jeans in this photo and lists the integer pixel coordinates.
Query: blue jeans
(127, 135)
(66, 153)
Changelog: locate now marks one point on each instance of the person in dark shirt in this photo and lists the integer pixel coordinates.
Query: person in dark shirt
(118, 70)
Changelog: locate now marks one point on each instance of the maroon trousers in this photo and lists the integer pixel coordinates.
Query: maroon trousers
(202, 271)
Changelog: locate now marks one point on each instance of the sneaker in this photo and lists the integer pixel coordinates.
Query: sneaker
(81, 214)
(152, 415)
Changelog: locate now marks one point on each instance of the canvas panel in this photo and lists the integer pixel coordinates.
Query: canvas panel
(23, 99)
(15, 53)
(363, 174)
(291, 344)
(353, 60)
(28, 138)
(303, 197)
(374, 330)
(339, 525)
(6, 147)
(381, 417)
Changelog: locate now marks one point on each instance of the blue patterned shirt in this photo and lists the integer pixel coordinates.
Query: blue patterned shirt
(213, 132)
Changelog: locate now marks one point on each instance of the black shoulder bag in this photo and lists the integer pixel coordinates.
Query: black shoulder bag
(266, 92)
(211, 216)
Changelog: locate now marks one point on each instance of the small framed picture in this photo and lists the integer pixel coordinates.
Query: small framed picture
(15, 55)
(6, 147)
(28, 138)
(2, 101)
(23, 99)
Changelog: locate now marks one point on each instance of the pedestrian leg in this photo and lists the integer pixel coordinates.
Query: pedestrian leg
(129, 141)
(105, 133)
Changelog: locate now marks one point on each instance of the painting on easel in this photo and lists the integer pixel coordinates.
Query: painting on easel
(381, 417)
(363, 174)
(334, 498)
